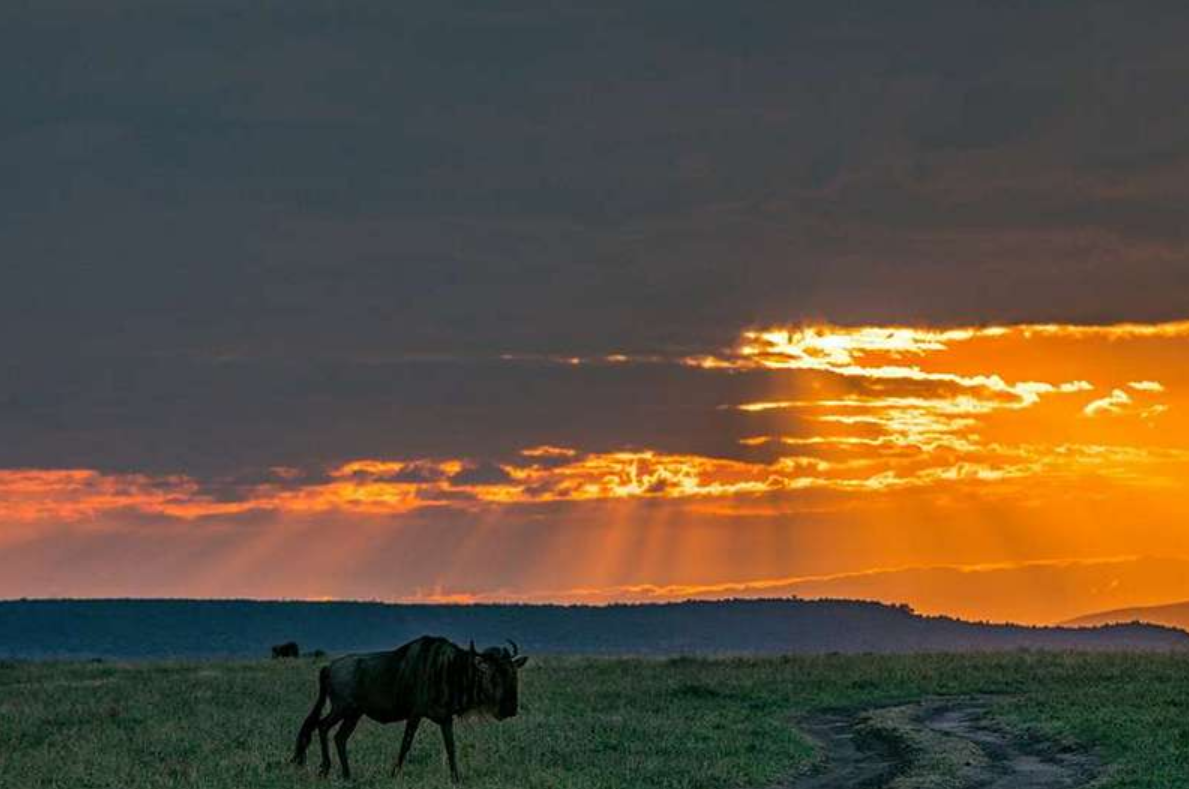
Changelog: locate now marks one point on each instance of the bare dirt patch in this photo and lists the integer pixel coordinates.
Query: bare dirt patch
(937, 744)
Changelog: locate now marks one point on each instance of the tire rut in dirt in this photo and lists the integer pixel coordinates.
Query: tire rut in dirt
(942, 742)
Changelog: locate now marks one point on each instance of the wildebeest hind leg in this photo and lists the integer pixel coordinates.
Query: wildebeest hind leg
(324, 727)
(340, 741)
(406, 742)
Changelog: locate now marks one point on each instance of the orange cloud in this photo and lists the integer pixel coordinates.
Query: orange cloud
(1118, 402)
(841, 348)
(370, 486)
(932, 423)
(81, 494)
(971, 419)
(546, 451)
(1115, 403)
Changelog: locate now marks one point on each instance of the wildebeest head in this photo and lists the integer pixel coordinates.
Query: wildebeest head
(497, 683)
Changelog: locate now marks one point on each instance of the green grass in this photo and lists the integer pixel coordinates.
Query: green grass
(585, 722)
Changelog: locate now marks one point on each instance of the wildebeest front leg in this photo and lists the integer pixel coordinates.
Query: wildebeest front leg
(406, 743)
(448, 737)
(340, 741)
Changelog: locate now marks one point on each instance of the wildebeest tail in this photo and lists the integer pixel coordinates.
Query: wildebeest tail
(311, 721)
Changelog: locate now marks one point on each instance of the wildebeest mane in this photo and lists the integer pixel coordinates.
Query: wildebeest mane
(436, 674)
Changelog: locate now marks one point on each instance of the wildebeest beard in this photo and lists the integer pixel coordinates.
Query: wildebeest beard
(480, 714)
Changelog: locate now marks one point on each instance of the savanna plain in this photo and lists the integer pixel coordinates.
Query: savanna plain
(588, 723)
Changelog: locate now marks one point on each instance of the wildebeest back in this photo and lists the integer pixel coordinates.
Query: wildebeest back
(429, 677)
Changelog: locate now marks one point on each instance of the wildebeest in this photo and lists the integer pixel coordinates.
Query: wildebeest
(426, 678)
(287, 650)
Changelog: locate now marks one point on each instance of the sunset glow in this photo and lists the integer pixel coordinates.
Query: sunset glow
(1053, 450)
(600, 304)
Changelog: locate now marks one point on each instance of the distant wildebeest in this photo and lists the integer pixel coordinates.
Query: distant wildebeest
(426, 678)
(286, 650)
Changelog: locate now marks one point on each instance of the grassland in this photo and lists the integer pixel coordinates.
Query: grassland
(606, 723)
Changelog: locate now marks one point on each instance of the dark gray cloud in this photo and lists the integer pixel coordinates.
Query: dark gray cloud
(228, 419)
(482, 473)
(228, 232)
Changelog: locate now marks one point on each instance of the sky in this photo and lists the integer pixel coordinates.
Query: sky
(549, 302)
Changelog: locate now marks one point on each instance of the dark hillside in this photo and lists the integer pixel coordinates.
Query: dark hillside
(211, 628)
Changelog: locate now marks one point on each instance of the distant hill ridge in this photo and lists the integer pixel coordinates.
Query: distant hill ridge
(1169, 615)
(149, 629)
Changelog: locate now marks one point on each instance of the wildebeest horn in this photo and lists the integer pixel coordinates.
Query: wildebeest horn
(515, 649)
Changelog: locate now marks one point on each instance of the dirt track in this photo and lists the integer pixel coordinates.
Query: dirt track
(939, 744)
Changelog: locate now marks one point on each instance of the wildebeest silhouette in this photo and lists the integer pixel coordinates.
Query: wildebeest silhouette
(428, 677)
(287, 650)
